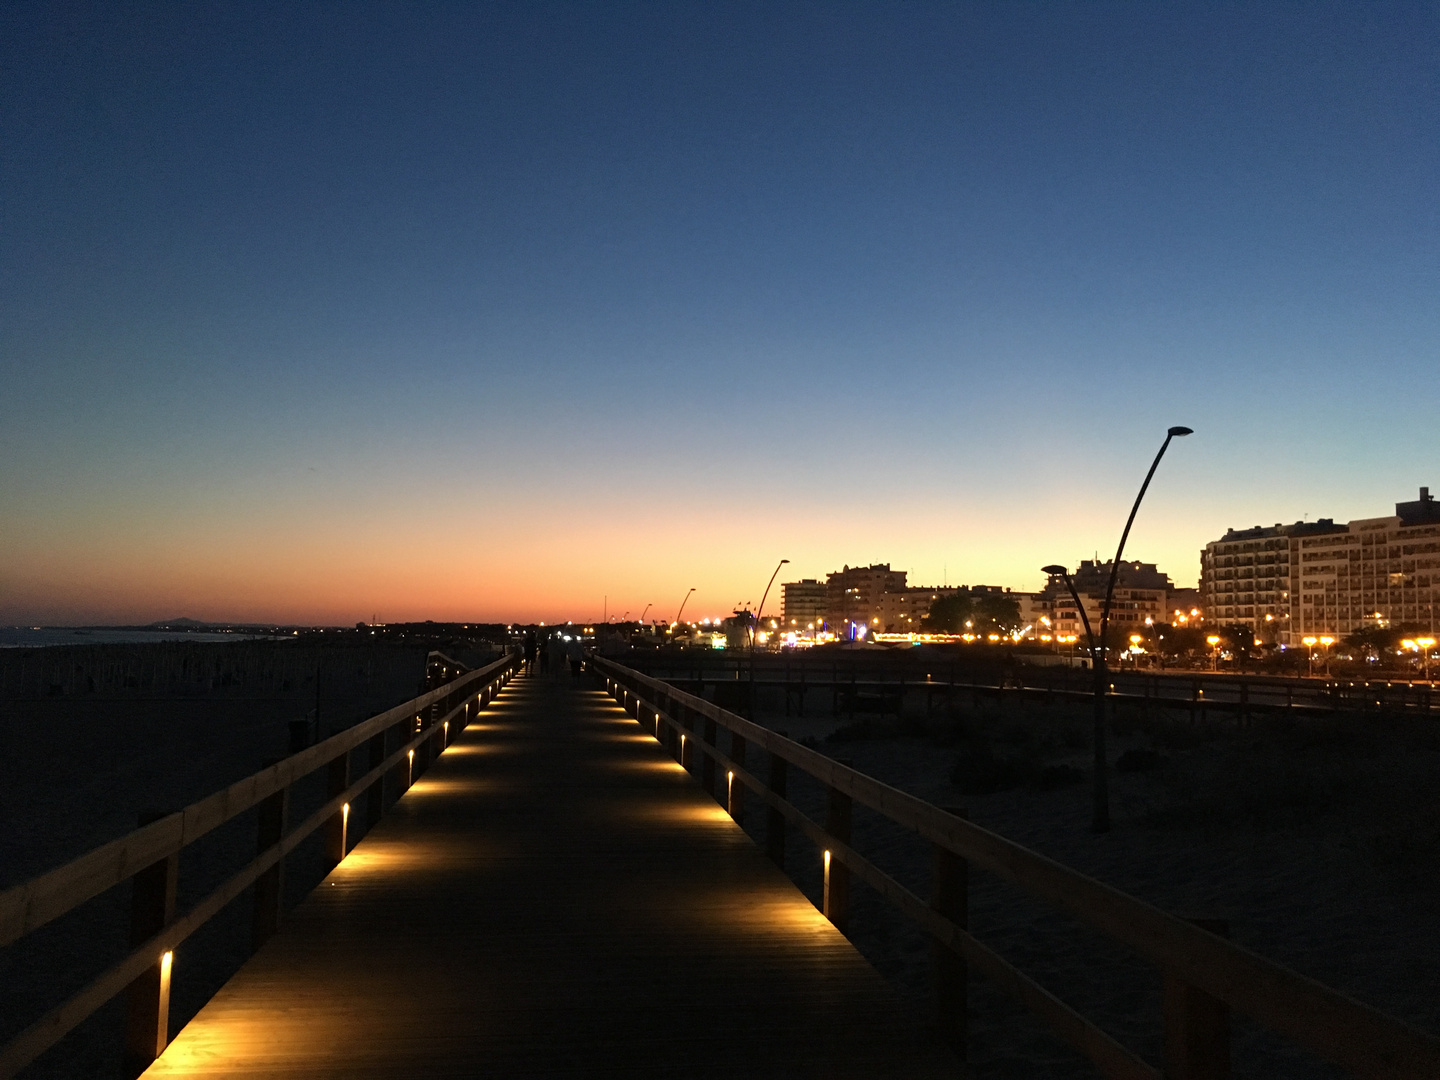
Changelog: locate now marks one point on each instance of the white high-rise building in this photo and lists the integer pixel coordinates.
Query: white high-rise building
(1289, 582)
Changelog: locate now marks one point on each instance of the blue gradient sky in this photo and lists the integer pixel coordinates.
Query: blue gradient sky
(316, 312)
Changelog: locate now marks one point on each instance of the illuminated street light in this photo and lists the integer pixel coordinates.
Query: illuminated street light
(1100, 819)
(1324, 641)
(1426, 644)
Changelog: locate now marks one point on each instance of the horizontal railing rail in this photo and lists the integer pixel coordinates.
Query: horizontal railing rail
(1206, 975)
(29, 906)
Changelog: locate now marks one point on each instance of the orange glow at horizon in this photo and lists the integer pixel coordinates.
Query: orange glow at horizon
(521, 560)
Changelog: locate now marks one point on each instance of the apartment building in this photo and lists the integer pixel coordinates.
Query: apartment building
(1140, 598)
(802, 604)
(853, 595)
(1289, 582)
(877, 598)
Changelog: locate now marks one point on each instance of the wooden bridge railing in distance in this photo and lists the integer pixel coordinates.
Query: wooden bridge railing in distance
(1204, 975)
(1177, 688)
(398, 738)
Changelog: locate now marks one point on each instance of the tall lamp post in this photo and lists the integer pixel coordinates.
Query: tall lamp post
(755, 630)
(682, 607)
(1100, 818)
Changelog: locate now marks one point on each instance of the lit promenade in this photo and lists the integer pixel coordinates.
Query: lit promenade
(555, 896)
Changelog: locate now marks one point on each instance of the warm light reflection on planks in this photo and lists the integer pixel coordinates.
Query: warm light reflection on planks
(664, 767)
(545, 883)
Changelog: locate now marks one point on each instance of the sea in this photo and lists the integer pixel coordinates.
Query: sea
(35, 637)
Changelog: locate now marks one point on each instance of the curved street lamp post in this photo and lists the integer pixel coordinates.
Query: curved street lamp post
(755, 630)
(682, 607)
(1100, 818)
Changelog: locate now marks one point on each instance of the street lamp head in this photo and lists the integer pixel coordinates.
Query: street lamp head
(1053, 570)
(1176, 432)
(784, 561)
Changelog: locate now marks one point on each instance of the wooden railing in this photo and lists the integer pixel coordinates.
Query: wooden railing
(400, 739)
(1204, 975)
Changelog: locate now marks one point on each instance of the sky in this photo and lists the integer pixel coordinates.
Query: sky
(328, 312)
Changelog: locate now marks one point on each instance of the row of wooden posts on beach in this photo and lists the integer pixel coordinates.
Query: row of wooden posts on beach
(860, 684)
(177, 667)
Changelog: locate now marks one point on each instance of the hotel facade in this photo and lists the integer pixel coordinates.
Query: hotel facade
(1290, 582)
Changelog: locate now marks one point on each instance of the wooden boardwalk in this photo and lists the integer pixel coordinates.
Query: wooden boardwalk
(555, 897)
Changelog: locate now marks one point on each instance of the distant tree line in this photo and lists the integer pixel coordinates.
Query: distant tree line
(960, 613)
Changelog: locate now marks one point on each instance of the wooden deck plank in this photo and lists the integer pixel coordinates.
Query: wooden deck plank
(555, 896)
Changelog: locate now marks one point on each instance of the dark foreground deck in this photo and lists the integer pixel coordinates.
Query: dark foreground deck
(555, 896)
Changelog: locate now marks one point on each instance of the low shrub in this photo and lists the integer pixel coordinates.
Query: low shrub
(1052, 777)
(859, 729)
(979, 772)
(1139, 759)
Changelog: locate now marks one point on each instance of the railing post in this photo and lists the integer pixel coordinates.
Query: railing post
(707, 768)
(422, 751)
(397, 779)
(687, 722)
(269, 886)
(950, 897)
(735, 791)
(837, 874)
(775, 821)
(375, 796)
(337, 779)
(1197, 1026)
(147, 1005)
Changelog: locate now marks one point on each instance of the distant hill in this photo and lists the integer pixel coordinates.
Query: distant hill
(171, 624)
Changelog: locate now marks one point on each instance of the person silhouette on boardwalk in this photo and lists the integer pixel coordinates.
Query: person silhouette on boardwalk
(529, 652)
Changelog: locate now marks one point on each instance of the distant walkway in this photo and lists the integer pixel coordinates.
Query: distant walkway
(555, 897)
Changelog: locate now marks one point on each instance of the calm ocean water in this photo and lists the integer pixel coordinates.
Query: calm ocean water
(33, 637)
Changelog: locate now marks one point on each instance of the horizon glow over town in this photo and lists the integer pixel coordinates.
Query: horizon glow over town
(537, 312)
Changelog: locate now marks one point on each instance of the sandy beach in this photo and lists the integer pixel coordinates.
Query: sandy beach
(1316, 841)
